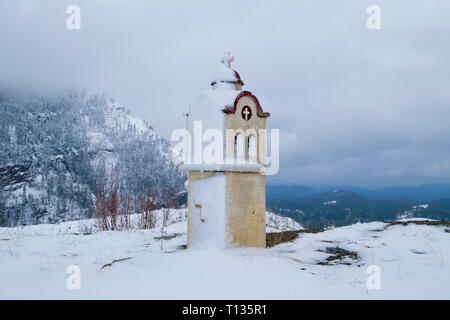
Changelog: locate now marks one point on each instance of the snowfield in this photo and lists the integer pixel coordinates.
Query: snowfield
(413, 259)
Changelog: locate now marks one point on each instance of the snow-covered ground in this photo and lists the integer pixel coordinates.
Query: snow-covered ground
(413, 260)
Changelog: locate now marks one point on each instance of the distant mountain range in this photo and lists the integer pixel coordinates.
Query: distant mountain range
(315, 209)
(422, 192)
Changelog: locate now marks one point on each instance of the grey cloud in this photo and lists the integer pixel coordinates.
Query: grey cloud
(353, 106)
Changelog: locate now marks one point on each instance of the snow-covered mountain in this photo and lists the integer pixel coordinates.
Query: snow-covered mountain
(340, 207)
(411, 259)
(279, 223)
(56, 151)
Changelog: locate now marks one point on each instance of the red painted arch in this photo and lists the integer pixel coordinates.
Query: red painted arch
(260, 112)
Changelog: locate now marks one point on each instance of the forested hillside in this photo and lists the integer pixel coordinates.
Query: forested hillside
(56, 151)
(340, 208)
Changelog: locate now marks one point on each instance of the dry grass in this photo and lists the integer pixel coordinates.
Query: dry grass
(168, 198)
(147, 203)
(113, 210)
(338, 256)
(107, 207)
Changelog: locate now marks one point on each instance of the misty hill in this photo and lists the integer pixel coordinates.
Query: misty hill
(288, 192)
(57, 150)
(339, 208)
(422, 192)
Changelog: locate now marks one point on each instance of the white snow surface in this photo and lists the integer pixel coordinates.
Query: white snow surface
(414, 262)
(225, 74)
(207, 107)
(210, 193)
(423, 206)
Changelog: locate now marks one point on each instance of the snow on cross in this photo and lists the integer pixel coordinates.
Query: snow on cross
(227, 59)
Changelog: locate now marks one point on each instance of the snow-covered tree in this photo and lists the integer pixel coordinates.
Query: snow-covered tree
(56, 150)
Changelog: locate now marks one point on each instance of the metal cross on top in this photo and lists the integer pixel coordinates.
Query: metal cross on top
(227, 59)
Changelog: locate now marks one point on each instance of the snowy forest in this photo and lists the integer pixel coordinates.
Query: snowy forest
(57, 151)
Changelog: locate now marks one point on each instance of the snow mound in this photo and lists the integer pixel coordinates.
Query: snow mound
(278, 223)
(176, 223)
(412, 259)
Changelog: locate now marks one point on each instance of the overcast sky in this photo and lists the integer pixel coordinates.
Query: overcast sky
(354, 106)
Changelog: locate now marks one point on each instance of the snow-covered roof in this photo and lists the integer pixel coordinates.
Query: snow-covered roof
(225, 93)
(226, 75)
(218, 99)
(208, 107)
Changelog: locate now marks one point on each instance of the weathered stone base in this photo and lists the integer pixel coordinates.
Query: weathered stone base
(245, 208)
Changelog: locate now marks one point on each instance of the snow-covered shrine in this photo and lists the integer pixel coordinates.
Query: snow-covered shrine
(227, 191)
